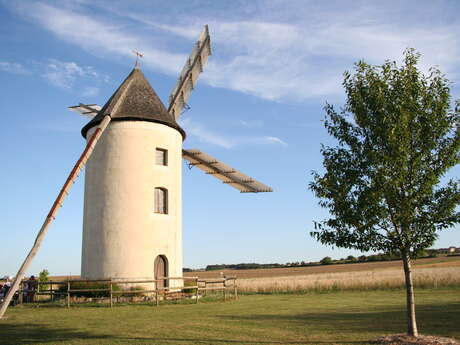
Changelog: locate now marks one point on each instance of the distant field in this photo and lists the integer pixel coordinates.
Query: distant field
(327, 318)
(444, 261)
(437, 272)
(428, 273)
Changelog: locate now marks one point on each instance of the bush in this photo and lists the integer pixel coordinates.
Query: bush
(133, 290)
(189, 283)
(326, 261)
(43, 277)
(89, 286)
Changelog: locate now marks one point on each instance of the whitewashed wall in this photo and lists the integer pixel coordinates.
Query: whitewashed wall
(122, 235)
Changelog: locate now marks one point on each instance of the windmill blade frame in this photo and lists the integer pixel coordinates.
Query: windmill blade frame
(189, 74)
(88, 110)
(225, 173)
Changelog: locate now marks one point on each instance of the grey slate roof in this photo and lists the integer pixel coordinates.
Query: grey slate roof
(134, 100)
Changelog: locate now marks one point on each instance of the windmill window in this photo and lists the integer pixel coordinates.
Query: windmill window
(161, 200)
(161, 157)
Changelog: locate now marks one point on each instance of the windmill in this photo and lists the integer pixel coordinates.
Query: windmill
(132, 210)
(132, 213)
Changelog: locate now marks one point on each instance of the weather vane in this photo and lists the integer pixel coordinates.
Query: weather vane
(138, 55)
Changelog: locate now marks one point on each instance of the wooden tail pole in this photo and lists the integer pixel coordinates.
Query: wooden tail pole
(54, 209)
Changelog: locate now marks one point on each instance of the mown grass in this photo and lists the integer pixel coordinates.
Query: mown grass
(327, 318)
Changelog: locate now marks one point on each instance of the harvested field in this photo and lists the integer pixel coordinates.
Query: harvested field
(444, 261)
(358, 280)
(428, 273)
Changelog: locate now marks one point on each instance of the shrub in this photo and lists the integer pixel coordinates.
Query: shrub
(89, 286)
(326, 260)
(189, 283)
(43, 277)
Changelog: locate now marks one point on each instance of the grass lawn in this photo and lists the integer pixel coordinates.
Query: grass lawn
(330, 318)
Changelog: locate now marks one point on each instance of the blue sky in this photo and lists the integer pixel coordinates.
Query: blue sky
(257, 107)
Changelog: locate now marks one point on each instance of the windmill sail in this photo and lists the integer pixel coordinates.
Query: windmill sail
(190, 73)
(223, 172)
(89, 110)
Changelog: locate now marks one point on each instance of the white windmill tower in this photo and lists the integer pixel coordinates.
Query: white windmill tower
(133, 183)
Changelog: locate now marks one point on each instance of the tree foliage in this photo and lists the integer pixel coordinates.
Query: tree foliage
(398, 135)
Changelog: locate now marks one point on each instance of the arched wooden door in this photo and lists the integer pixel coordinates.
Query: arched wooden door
(161, 270)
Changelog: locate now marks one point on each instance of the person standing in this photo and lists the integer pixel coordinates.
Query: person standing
(32, 287)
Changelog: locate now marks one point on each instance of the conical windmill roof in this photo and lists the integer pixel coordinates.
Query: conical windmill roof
(134, 100)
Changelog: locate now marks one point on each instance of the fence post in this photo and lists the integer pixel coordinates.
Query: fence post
(197, 288)
(111, 294)
(236, 289)
(68, 293)
(51, 292)
(224, 288)
(157, 301)
(21, 293)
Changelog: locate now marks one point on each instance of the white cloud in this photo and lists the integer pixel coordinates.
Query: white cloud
(205, 135)
(282, 52)
(13, 67)
(64, 74)
(100, 36)
(90, 91)
(275, 140)
(251, 123)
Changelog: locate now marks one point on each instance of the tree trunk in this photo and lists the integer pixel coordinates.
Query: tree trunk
(411, 321)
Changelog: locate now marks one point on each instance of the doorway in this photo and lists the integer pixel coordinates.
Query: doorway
(161, 271)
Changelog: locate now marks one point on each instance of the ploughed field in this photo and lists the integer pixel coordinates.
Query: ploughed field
(346, 317)
(428, 273)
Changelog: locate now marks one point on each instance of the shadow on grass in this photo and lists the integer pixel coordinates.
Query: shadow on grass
(441, 319)
(37, 334)
(230, 341)
(328, 328)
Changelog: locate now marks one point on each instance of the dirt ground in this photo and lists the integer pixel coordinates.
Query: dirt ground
(402, 339)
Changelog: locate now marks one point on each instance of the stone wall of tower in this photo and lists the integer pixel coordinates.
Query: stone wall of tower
(122, 235)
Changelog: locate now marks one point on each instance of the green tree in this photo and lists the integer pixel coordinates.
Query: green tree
(43, 277)
(326, 261)
(351, 258)
(398, 134)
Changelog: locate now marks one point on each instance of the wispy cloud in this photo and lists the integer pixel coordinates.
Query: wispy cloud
(275, 140)
(64, 74)
(295, 62)
(251, 123)
(13, 67)
(90, 91)
(279, 51)
(101, 36)
(205, 135)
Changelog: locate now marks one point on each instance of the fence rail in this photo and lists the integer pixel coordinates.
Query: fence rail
(158, 289)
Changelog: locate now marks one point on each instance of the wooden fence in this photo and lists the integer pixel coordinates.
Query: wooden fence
(112, 289)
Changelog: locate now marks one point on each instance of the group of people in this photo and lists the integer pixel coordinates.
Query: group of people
(4, 288)
(28, 290)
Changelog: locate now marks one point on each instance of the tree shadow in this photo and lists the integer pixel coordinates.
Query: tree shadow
(36, 333)
(442, 319)
(247, 342)
(337, 328)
